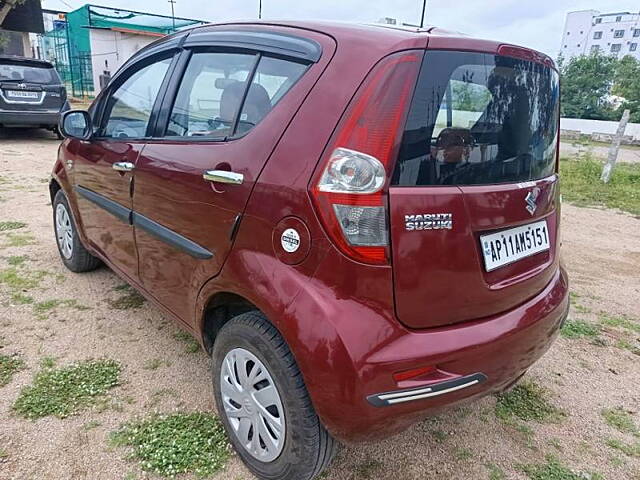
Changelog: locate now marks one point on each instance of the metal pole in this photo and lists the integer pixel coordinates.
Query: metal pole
(260, 9)
(173, 14)
(424, 8)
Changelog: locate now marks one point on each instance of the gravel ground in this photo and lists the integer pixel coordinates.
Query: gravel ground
(601, 250)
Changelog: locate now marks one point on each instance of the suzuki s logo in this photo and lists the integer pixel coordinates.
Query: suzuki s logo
(21, 86)
(530, 199)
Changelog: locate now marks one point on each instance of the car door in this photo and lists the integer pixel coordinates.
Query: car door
(222, 119)
(103, 169)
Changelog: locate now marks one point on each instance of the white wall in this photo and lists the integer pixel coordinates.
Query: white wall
(114, 48)
(588, 127)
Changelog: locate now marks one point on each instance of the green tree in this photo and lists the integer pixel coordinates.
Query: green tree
(627, 85)
(587, 82)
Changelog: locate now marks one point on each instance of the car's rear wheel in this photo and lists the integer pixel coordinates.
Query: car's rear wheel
(73, 254)
(264, 404)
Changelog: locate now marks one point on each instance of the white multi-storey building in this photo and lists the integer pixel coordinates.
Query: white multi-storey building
(587, 31)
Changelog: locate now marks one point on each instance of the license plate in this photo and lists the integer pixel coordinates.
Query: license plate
(508, 246)
(19, 94)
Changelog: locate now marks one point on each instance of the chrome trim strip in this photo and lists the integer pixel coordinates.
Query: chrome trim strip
(433, 394)
(434, 390)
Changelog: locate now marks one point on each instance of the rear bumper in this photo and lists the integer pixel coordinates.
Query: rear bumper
(29, 118)
(473, 359)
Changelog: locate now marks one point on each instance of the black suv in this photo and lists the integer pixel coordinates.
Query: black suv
(31, 94)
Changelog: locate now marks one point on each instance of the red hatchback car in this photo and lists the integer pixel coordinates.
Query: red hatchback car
(360, 223)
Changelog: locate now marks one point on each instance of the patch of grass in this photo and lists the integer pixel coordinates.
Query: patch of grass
(368, 468)
(3, 454)
(554, 470)
(131, 299)
(17, 260)
(90, 425)
(47, 362)
(179, 443)
(622, 321)
(19, 240)
(621, 420)
(527, 401)
(439, 435)
(462, 453)
(9, 365)
(626, 345)
(581, 184)
(21, 299)
(155, 364)
(42, 308)
(18, 280)
(64, 391)
(192, 344)
(629, 449)
(578, 329)
(495, 472)
(11, 225)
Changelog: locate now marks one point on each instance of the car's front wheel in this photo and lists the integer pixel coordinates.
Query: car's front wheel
(73, 254)
(264, 404)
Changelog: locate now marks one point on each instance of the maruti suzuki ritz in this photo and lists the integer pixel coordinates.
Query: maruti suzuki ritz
(359, 223)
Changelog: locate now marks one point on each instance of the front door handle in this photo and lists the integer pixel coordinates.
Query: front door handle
(223, 176)
(123, 166)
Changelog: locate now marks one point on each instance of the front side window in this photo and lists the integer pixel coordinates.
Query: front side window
(210, 95)
(128, 108)
(479, 119)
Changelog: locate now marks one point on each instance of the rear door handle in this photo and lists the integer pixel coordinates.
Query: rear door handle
(123, 166)
(223, 176)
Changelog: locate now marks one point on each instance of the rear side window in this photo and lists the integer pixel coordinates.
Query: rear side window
(479, 119)
(273, 78)
(217, 100)
(24, 73)
(210, 95)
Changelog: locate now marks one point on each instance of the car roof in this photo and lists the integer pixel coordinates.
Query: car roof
(33, 62)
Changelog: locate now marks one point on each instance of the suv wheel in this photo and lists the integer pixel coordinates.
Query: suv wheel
(264, 404)
(73, 254)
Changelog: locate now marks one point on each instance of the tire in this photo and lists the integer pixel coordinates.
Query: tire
(58, 133)
(73, 254)
(305, 447)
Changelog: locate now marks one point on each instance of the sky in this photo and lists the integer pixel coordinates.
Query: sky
(533, 23)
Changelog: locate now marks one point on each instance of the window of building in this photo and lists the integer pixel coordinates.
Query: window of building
(568, 33)
(598, 20)
(618, 34)
(633, 47)
(636, 32)
(597, 35)
(578, 45)
(581, 32)
(616, 47)
(595, 48)
(618, 18)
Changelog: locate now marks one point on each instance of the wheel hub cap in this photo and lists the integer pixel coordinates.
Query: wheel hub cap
(64, 231)
(252, 404)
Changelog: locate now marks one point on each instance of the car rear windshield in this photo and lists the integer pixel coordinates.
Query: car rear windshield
(479, 119)
(28, 73)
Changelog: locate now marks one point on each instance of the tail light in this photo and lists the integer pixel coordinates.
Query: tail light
(348, 190)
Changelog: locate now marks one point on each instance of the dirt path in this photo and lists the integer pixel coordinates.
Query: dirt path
(625, 155)
(602, 252)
